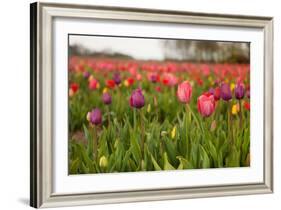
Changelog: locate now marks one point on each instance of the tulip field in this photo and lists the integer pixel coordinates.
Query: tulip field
(128, 115)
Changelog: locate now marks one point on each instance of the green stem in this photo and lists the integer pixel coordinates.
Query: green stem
(196, 119)
(95, 144)
(108, 116)
(142, 133)
(229, 120)
(241, 114)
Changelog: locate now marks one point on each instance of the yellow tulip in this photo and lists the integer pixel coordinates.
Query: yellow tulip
(105, 90)
(232, 86)
(235, 109)
(126, 83)
(91, 78)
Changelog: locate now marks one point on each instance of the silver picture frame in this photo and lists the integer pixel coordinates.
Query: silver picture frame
(42, 16)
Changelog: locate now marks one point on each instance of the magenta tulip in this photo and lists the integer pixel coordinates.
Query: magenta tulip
(239, 91)
(184, 92)
(117, 78)
(137, 99)
(225, 92)
(95, 116)
(106, 98)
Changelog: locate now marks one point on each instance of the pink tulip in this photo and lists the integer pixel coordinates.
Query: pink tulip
(93, 84)
(184, 92)
(206, 104)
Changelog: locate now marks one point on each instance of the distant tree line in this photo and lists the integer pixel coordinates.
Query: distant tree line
(79, 50)
(207, 51)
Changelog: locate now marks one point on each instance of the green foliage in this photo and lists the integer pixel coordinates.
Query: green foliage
(193, 146)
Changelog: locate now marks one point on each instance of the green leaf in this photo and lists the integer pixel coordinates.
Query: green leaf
(90, 141)
(74, 166)
(167, 165)
(171, 150)
(184, 164)
(155, 164)
(205, 161)
(135, 148)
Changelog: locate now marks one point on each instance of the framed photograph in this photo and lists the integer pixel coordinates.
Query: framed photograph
(135, 105)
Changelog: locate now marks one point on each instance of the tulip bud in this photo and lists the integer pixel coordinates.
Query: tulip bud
(184, 92)
(74, 87)
(117, 78)
(206, 104)
(148, 108)
(225, 92)
(247, 105)
(103, 162)
(137, 99)
(239, 91)
(106, 98)
(95, 117)
(173, 132)
(110, 83)
(235, 109)
(93, 84)
(215, 92)
(163, 133)
(86, 74)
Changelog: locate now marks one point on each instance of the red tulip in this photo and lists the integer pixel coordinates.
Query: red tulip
(206, 104)
(74, 87)
(184, 92)
(131, 80)
(216, 93)
(158, 89)
(110, 83)
(169, 79)
(247, 105)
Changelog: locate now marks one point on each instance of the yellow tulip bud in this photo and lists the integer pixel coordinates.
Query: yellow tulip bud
(88, 116)
(235, 109)
(232, 86)
(105, 90)
(103, 162)
(164, 133)
(126, 83)
(173, 132)
(148, 108)
(91, 78)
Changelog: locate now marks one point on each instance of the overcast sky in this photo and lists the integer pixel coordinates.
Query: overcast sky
(139, 48)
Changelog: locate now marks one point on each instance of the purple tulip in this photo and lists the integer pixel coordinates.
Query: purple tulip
(239, 91)
(106, 98)
(225, 92)
(95, 116)
(86, 74)
(137, 99)
(117, 78)
(212, 91)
